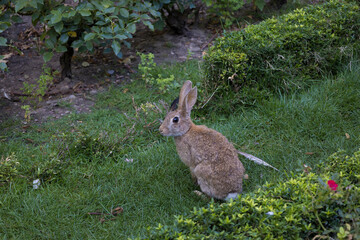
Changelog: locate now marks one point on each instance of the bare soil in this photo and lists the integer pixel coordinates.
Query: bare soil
(91, 73)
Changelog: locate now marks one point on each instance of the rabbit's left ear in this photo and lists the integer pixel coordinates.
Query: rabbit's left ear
(190, 101)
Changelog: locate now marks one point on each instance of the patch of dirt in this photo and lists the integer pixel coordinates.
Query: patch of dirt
(78, 94)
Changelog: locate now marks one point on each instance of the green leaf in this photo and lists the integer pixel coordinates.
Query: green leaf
(95, 29)
(89, 36)
(20, 4)
(52, 35)
(116, 47)
(47, 56)
(110, 10)
(106, 3)
(49, 44)
(3, 66)
(33, 3)
(4, 26)
(145, 16)
(121, 37)
(85, 12)
(89, 46)
(59, 27)
(16, 19)
(100, 23)
(64, 38)
(69, 14)
(260, 4)
(56, 16)
(155, 13)
(106, 36)
(61, 48)
(149, 25)
(124, 12)
(127, 44)
(159, 25)
(98, 6)
(3, 41)
(131, 28)
(77, 43)
(119, 55)
(35, 18)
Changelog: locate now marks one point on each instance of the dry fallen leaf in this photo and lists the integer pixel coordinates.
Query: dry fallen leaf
(232, 77)
(347, 136)
(309, 153)
(5, 58)
(306, 169)
(198, 193)
(72, 34)
(117, 211)
(24, 47)
(85, 64)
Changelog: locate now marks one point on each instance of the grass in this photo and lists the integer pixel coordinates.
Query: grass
(114, 156)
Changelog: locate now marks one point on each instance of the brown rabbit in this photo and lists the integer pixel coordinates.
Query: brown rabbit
(212, 159)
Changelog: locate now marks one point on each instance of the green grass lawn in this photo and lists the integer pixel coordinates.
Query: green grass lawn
(114, 156)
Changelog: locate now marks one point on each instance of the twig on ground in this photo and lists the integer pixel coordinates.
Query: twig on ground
(116, 211)
(209, 98)
(208, 42)
(256, 160)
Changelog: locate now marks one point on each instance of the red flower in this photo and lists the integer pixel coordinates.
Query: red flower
(332, 184)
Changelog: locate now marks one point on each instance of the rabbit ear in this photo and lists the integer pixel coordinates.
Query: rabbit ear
(189, 101)
(184, 92)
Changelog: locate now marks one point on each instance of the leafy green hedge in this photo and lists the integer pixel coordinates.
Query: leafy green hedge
(282, 53)
(325, 203)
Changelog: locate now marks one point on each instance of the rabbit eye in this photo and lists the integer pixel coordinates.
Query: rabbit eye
(175, 119)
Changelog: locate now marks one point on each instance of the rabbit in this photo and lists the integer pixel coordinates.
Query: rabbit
(212, 159)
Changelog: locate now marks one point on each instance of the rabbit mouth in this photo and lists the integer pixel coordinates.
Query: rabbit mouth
(170, 134)
(164, 133)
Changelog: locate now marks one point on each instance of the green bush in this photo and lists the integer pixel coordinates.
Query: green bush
(309, 205)
(82, 25)
(283, 53)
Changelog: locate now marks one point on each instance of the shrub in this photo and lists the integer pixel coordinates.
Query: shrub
(285, 52)
(303, 207)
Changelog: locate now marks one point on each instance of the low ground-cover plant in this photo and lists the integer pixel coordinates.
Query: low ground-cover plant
(8, 169)
(34, 92)
(147, 68)
(282, 53)
(309, 205)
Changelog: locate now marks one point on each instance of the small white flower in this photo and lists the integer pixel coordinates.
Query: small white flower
(36, 184)
(129, 160)
(270, 213)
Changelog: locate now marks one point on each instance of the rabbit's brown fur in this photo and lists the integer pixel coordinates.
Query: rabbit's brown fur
(212, 159)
